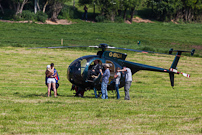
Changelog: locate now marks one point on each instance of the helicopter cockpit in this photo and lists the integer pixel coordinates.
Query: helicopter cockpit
(77, 73)
(94, 75)
(79, 70)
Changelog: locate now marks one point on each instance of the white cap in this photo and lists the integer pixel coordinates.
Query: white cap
(48, 66)
(107, 65)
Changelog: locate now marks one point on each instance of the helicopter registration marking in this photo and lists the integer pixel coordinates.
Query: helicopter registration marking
(116, 55)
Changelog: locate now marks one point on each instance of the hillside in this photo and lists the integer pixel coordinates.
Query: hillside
(159, 37)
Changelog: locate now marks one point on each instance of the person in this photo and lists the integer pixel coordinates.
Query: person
(128, 81)
(85, 12)
(51, 79)
(93, 74)
(95, 70)
(79, 91)
(105, 80)
(56, 79)
(117, 77)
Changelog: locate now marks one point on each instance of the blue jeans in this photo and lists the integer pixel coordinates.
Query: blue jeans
(104, 90)
(84, 15)
(117, 90)
(95, 92)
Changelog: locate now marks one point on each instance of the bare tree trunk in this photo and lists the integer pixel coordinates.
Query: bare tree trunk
(20, 6)
(132, 14)
(17, 8)
(44, 7)
(124, 14)
(190, 15)
(2, 10)
(56, 10)
(38, 6)
(74, 4)
(112, 16)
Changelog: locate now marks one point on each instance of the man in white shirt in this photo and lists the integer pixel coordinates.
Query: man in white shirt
(128, 81)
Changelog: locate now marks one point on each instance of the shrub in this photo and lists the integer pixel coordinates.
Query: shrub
(8, 14)
(28, 15)
(119, 19)
(69, 12)
(42, 17)
(100, 18)
(17, 18)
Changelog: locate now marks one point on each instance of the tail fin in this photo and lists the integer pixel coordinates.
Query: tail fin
(175, 62)
(171, 79)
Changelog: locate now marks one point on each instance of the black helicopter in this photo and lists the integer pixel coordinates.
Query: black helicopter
(77, 72)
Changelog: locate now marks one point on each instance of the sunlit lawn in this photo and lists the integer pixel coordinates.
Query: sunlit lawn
(154, 108)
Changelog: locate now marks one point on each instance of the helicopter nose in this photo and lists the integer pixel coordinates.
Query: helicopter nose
(73, 74)
(69, 73)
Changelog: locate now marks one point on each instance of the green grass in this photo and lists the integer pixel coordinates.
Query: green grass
(154, 108)
(158, 37)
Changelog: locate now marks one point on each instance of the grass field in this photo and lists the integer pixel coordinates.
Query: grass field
(154, 108)
(158, 37)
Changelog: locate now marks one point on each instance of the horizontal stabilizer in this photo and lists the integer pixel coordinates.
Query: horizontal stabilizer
(180, 51)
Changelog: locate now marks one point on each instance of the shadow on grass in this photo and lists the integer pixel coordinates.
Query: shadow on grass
(52, 95)
(65, 95)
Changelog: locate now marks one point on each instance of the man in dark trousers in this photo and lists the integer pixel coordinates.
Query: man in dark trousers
(85, 12)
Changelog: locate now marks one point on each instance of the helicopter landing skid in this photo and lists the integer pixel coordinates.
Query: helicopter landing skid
(89, 81)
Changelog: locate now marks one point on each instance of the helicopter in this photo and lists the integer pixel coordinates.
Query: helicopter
(77, 72)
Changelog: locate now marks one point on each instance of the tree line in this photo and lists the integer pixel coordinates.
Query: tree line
(16, 7)
(162, 10)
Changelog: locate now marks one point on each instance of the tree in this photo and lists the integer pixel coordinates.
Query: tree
(1, 8)
(108, 8)
(187, 10)
(56, 7)
(19, 5)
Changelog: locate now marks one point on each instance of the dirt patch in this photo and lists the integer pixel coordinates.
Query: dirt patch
(57, 22)
(128, 22)
(198, 47)
(140, 20)
(66, 22)
(174, 21)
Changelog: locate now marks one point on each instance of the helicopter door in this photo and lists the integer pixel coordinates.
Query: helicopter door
(112, 70)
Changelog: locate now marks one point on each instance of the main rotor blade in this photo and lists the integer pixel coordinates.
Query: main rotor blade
(130, 50)
(141, 51)
(51, 47)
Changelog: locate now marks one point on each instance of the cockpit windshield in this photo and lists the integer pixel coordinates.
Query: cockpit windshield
(83, 64)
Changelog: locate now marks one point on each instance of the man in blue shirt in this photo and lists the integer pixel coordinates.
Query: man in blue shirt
(105, 80)
(128, 81)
